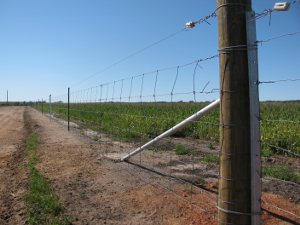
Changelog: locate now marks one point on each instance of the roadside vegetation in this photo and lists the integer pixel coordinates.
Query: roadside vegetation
(281, 172)
(280, 121)
(43, 206)
(210, 158)
(183, 150)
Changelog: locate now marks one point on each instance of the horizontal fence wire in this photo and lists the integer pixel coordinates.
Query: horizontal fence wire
(279, 81)
(282, 121)
(268, 12)
(280, 180)
(282, 210)
(277, 148)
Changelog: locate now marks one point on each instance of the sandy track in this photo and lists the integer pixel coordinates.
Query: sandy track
(12, 174)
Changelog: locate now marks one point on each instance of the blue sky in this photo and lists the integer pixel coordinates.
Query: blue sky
(46, 46)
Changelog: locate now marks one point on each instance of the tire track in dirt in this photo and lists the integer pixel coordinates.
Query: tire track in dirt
(12, 174)
(12, 123)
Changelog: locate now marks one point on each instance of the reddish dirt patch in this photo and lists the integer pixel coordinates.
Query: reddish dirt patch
(276, 209)
(160, 204)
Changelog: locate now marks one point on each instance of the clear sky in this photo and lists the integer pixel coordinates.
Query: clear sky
(46, 46)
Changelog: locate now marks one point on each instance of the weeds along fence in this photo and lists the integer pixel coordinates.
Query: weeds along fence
(124, 114)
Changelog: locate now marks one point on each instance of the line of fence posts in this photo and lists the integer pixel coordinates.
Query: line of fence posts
(50, 109)
(68, 109)
(42, 106)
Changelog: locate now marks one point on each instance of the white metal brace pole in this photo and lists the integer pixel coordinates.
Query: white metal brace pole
(254, 120)
(179, 126)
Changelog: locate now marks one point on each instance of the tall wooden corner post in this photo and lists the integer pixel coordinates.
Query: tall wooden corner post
(239, 198)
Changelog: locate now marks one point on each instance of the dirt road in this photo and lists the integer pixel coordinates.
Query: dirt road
(12, 175)
(93, 189)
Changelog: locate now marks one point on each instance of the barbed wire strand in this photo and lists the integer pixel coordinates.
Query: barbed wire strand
(288, 151)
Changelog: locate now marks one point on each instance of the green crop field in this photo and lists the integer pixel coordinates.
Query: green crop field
(280, 125)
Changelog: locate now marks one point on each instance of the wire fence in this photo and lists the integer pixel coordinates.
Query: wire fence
(124, 114)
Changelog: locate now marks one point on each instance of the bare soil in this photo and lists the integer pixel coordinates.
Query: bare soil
(12, 174)
(161, 157)
(96, 190)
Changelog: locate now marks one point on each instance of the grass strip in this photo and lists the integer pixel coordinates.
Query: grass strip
(211, 159)
(43, 206)
(281, 172)
(181, 150)
(134, 121)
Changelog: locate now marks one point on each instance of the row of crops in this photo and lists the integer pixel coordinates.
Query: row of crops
(280, 121)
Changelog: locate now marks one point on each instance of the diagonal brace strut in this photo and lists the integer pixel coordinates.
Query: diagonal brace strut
(174, 129)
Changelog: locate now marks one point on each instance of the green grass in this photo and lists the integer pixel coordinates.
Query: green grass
(281, 172)
(43, 206)
(266, 152)
(210, 146)
(280, 126)
(182, 150)
(190, 191)
(140, 122)
(32, 143)
(211, 159)
(200, 181)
